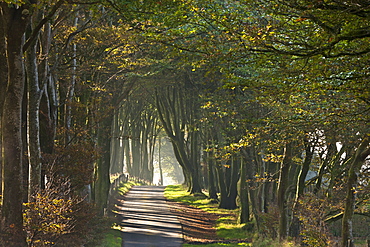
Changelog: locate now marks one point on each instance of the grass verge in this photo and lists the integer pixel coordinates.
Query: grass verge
(227, 226)
(112, 236)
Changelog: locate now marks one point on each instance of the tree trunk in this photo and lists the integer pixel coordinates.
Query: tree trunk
(243, 195)
(196, 186)
(195, 162)
(211, 178)
(222, 184)
(127, 154)
(331, 149)
(153, 135)
(281, 191)
(48, 102)
(261, 164)
(190, 170)
(71, 91)
(144, 171)
(15, 21)
(3, 86)
(304, 170)
(358, 159)
(248, 154)
(136, 151)
(160, 162)
(33, 123)
(300, 185)
(102, 182)
(255, 207)
(233, 186)
(114, 149)
(228, 179)
(172, 112)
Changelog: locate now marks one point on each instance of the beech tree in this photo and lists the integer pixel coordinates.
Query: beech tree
(268, 90)
(15, 19)
(177, 114)
(30, 30)
(302, 61)
(139, 130)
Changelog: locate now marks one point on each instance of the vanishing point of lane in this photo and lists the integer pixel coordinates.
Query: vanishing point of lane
(147, 220)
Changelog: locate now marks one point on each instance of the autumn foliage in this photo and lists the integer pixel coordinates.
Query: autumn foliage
(312, 212)
(56, 216)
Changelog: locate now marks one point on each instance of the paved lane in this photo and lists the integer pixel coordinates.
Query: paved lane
(147, 220)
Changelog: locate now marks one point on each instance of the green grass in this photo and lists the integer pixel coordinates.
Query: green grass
(227, 226)
(125, 187)
(179, 193)
(113, 236)
(215, 245)
(112, 239)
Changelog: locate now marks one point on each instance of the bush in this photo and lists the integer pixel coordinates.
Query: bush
(269, 222)
(311, 213)
(56, 216)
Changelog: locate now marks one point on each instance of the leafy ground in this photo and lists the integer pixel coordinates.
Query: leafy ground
(198, 225)
(203, 223)
(206, 225)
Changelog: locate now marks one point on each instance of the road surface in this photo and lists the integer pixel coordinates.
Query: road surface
(147, 220)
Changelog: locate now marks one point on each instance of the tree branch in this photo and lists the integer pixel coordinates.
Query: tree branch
(36, 30)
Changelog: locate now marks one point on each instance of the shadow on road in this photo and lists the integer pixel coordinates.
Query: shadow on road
(147, 220)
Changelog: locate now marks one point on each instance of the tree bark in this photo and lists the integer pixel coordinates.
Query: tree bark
(304, 170)
(127, 154)
(228, 179)
(160, 162)
(102, 182)
(358, 159)
(33, 122)
(71, 91)
(48, 113)
(281, 191)
(248, 154)
(211, 177)
(15, 21)
(3, 86)
(173, 114)
(243, 194)
(136, 151)
(328, 156)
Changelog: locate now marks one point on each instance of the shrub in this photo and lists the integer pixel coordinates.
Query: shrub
(269, 222)
(55, 216)
(311, 213)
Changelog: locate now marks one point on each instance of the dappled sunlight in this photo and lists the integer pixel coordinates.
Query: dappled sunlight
(146, 220)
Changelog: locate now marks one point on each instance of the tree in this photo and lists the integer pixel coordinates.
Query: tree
(4, 82)
(261, 74)
(14, 20)
(177, 114)
(362, 152)
(301, 63)
(282, 190)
